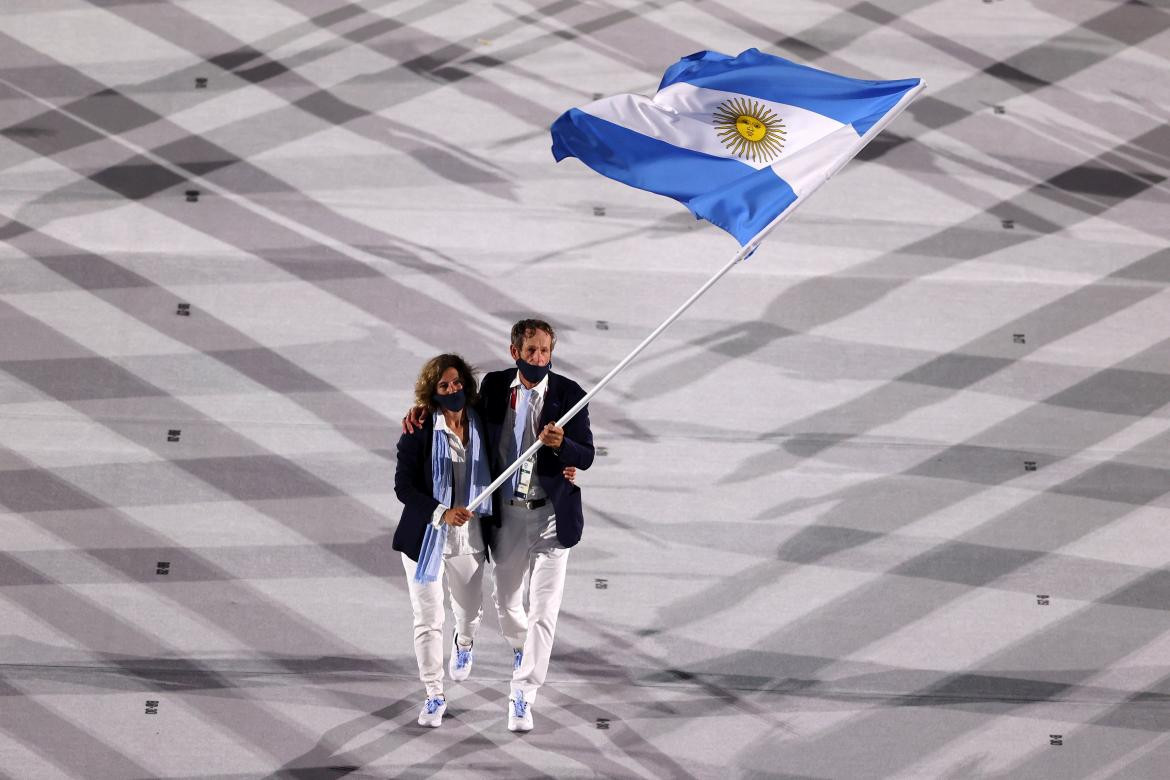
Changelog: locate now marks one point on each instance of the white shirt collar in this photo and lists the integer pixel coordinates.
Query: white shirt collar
(441, 424)
(540, 387)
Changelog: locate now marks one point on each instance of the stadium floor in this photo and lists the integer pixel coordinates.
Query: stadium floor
(890, 501)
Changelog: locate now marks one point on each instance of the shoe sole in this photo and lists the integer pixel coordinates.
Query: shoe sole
(519, 725)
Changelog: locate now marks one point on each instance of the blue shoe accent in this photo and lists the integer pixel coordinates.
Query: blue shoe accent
(462, 658)
(519, 712)
(459, 667)
(519, 656)
(432, 712)
(519, 706)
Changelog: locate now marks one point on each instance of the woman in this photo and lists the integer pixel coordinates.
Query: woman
(441, 467)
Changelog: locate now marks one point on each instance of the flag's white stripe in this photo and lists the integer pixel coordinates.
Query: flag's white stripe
(812, 166)
(812, 182)
(682, 115)
(802, 127)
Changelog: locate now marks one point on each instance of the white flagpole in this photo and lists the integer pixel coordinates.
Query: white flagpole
(740, 255)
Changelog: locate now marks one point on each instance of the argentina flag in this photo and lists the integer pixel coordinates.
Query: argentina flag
(740, 141)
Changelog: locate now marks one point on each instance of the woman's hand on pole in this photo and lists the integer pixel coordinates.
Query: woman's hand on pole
(456, 516)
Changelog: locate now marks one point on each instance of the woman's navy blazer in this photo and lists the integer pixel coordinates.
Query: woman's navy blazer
(415, 489)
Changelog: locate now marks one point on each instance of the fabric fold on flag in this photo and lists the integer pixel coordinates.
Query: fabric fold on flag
(740, 141)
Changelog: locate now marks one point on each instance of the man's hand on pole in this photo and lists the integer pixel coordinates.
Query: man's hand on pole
(552, 436)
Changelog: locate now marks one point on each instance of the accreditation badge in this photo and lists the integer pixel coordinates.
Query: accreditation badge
(525, 482)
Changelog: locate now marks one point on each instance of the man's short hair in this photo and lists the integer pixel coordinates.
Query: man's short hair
(525, 328)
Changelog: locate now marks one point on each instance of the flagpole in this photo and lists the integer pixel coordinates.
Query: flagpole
(746, 250)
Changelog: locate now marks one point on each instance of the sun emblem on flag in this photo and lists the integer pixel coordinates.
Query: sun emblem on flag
(749, 130)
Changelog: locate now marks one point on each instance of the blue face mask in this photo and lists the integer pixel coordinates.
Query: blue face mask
(451, 403)
(533, 373)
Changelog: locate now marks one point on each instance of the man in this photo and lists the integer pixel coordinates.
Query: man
(537, 511)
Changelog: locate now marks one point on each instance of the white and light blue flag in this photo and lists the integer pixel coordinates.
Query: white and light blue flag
(740, 141)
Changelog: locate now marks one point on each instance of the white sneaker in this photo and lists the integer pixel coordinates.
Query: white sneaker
(432, 712)
(459, 667)
(519, 713)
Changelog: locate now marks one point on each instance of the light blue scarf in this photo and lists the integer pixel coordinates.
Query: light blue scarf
(442, 477)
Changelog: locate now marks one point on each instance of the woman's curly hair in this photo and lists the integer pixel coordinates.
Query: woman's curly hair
(433, 370)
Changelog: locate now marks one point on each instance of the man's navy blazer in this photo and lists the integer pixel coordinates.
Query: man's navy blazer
(415, 489)
(495, 394)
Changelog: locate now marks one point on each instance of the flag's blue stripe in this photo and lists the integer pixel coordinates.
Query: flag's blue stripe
(734, 196)
(858, 102)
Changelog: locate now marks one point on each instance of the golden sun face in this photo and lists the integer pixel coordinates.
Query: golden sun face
(749, 130)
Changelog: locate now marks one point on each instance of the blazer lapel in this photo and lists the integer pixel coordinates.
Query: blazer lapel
(552, 401)
(428, 444)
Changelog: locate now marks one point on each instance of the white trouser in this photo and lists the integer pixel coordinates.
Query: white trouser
(530, 580)
(463, 577)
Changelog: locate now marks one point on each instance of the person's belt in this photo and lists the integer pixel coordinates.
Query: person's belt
(528, 503)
